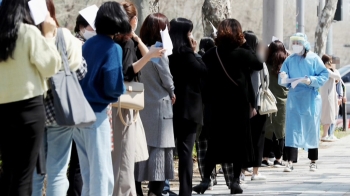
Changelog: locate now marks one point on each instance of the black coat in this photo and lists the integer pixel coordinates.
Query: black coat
(188, 69)
(229, 127)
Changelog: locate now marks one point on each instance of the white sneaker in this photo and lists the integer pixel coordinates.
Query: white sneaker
(325, 139)
(313, 166)
(258, 177)
(332, 138)
(271, 160)
(288, 168)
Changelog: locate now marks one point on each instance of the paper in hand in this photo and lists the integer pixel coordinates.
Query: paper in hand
(89, 14)
(296, 82)
(214, 29)
(38, 10)
(167, 43)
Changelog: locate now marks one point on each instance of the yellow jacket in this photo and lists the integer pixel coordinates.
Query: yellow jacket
(35, 59)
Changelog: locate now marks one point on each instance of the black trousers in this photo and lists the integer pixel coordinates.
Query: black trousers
(21, 133)
(74, 174)
(185, 135)
(257, 124)
(274, 146)
(292, 154)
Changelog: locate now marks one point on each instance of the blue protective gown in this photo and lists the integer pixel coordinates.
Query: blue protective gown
(303, 110)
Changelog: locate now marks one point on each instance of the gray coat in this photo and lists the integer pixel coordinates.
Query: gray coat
(157, 116)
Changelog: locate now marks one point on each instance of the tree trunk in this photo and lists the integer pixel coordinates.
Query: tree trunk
(144, 8)
(322, 28)
(154, 6)
(214, 11)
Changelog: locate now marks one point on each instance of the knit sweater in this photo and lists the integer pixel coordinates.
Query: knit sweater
(35, 58)
(104, 82)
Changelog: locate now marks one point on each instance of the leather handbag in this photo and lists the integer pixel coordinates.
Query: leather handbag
(252, 114)
(266, 99)
(133, 98)
(70, 105)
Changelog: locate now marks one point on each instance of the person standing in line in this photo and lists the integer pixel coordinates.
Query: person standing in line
(258, 121)
(83, 31)
(58, 139)
(27, 57)
(187, 69)
(304, 103)
(135, 56)
(341, 99)
(229, 68)
(102, 85)
(157, 115)
(329, 98)
(275, 125)
(206, 44)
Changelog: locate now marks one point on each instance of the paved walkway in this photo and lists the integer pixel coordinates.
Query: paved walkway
(331, 178)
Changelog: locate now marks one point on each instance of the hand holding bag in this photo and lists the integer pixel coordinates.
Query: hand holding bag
(70, 105)
(132, 99)
(266, 99)
(252, 111)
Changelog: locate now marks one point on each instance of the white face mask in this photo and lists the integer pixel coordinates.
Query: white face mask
(88, 34)
(297, 49)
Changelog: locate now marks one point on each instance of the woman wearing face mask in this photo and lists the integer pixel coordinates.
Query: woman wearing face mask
(258, 121)
(124, 155)
(82, 29)
(303, 110)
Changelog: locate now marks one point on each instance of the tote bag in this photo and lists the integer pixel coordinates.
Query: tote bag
(70, 104)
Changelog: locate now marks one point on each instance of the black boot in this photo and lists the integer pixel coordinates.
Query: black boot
(202, 187)
(235, 187)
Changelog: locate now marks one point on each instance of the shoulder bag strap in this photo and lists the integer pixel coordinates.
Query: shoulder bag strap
(262, 79)
(61, 47)
(217, 54)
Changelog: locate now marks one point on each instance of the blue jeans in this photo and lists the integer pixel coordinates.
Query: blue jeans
(94, 151)
(166, 186)
(58, 144)
(331, 129)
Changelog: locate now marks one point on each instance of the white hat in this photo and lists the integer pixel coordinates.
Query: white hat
(89, 14)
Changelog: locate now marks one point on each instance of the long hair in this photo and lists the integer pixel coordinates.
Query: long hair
(12, 14)
(52, 10)
(276, 55)
(151, 27)
(180, 27)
